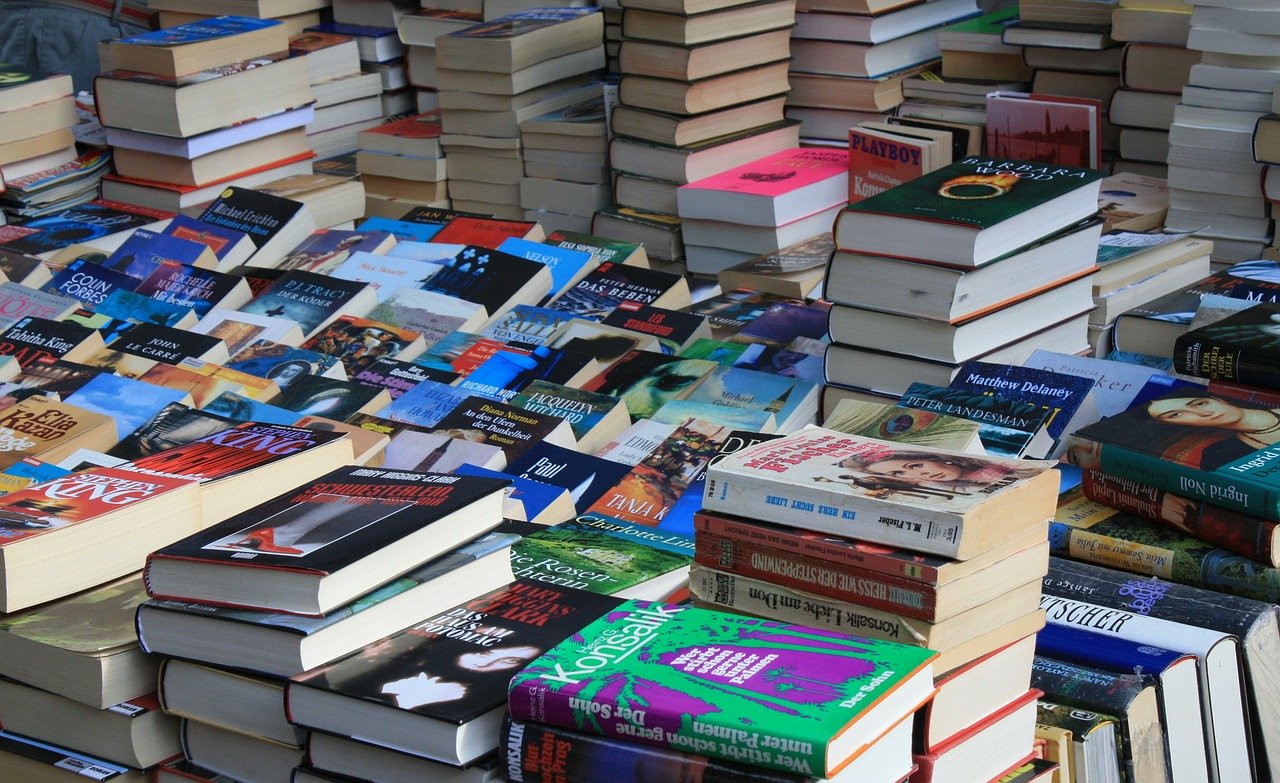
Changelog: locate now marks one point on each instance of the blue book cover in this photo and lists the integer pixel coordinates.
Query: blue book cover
(142, 253)
(241, 408)
(188, 286)
(1062, 393)
(36, 470)
(129, 401)
(279, 362)
(83, 223)
(401, 229)
(534, 496)
(1102, 651)
(88, 282)
(425, 404)
(566, 264)
(783, 323)
(526, 324)
(585, 476)
(220, 239)
(203, 30)
(326, 249)
(132, 306)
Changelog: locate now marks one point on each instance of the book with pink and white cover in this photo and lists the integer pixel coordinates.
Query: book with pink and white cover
(771, 191)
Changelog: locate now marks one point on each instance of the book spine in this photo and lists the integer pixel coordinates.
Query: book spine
(1220, 360)
(1243, 534)
(1237, 493)
(752, 596)
(837, 551)
(538, 753)
(810, 508)
(799, 572)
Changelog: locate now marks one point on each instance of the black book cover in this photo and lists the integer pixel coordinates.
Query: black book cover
(487, 277)
(82, 223)
(1242, 347)
(609, 284)
(57, 376)
(471, 651)
(175, 425)
(585, 476)
(41, 339)
(167, 344)
(336, 520)
(259, 278)
(260, 215)
(673, 328)
(305, 297)
(437, 215)
(514, 430)
(315, 395)
(16, 266)
(398, 377)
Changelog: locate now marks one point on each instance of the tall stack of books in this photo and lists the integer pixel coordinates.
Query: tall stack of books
(37, 112)
(850, 60)
(193, 109)
(938, 271)
(1213, 177)
(566, 164)
(494, 75)
(820, 526)
(1153, 72)
(295, 15)
(402, 166)
(350, 100)
(761, 206)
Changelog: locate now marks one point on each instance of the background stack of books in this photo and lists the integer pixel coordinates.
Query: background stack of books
(566, 164)
(295, 15)
(1266, 150)
(350, 100)
(402, 166)
(37, 113)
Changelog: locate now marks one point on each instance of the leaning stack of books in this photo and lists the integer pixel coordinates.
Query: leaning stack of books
(1213, 176)
(402, 166)
(346, 99)
(195, 108)
(493, 76)
(566, 165)
(37, 113)
(850, 60)
(906, 543)
(761, 206)
(1004, 250)
(1153, 72)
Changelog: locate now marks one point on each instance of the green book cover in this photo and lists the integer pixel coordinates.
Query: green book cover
(978, 192)
(992, 24)
(779, 696)
(594, 555)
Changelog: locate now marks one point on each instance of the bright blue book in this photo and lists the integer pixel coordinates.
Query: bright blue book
(89, 282)
(1068, 396)
(220, 239)
(567, 265)
(144, 251)
(401, 229)
(138, 308)
(129, 401)
(534, 497)
(241, 408)
(425, 404)
(202, 30)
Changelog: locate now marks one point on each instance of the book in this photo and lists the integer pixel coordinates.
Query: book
(1094, 737)
(83, 646)
(143, 251)
(311, 550)
(39, 426)
(493, 279)
(199, 289)
(1022, 125)
(339, 399)
(675, 636)
(282, 645)
(645, 380)
(1233, 348)
(587, 478)
(397, 376)
(892, 495)
(434, 315)
(793, 271)
(966, 213)
(27, 759)
(487, 232)
(169, 344)
(605, 288)
(31, 340)
(104, 223)
(196, 46)
(359, 342)
(594, 418)
(274, 224)
(187, 690)
(237, 329)
(514, 430)
(886, 421)
(439, 689)
(129, 401)
(675, 330)
(567, 265)
(71, 523)
(325, 250)
(312, 300)
(772, 191)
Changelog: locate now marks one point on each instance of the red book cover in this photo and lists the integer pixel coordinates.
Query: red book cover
(485, 232)
(1055, 129)
(419, 126)
(878, 162)
(231, 451)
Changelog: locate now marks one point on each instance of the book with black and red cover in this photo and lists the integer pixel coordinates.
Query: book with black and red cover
(274, 224)
(238, 464)
(674, 329)
(87, 527)
(312, 300)
(313, 549)
(92, 221)
(439, 689)
(609, 285)
(35, 339)
(169, 344)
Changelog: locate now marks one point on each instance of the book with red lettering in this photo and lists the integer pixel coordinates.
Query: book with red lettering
(327, 542)
(239, 465)
(76, 531)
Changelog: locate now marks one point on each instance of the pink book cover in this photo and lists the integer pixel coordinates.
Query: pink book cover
(1057, 129)
(779, 173)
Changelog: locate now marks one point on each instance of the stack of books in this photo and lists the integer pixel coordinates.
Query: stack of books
(1004, 250)
(1267, 150)
(850, 61)
(1154, 70)
(761, 206)
(935, 548)
(295, 15)
(418, 32)
(1213, 177)
(37, 112)
(347, 100)
(566, 165)
(193, 109)
(402, 166)
(493, 76)
(973, 49)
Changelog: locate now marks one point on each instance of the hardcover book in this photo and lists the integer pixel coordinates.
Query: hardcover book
(443, 683)
(311, 550)
(669, 662)
(772, 191)
(915, 497)
(1031, 126)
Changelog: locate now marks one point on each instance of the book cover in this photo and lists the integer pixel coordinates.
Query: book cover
(32, 340)
(18, 267)
(503, 375)
(978, 192)
(202, 388)
(259, 215)
(729, 312)
(1060, 130)
(593, 557)
(402, 230)
(211, 29)
(736, 387)
(55, 376)
(673, 328)
(608, 285)
(325, 250)
(188, 286)
(879, 161)
(1240, 347)
(398, 377)
(220, 239)
(89, 282)
(47, 758)
(19, 301)
(903, 425)
(74, 499)
(602, 249)
(645, 380)
(487, 277)
(175, 425)
(333, 398)
(425, 404)
(142, 252)
(584, 410)
(1115, 384)
(484, 232)
(586, 478)
(434, 315)
(359, 342)
(1007, 426)
(471, 651)
(413, 448)
(777, 174)
(168, 344)
(526, 324)
(781, 324)
(308, 298)
(513, 430)
(1062, 394)
(695, 669)
(82, 223)
(909, 496)
(39, 426)
(229, 451)
(132, 307)
(97, 622)
(130, 402)
(1203, 446)
(238, 330)
(567, 265)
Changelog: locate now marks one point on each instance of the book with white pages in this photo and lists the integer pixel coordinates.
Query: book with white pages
(211, 141)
